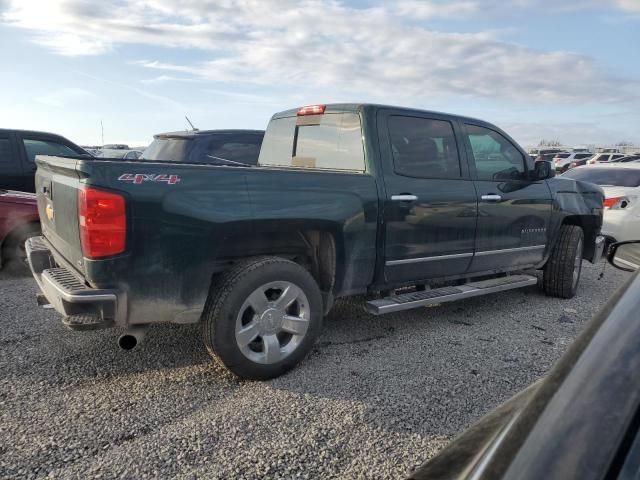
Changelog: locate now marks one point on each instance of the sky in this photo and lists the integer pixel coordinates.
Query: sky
(540, 69)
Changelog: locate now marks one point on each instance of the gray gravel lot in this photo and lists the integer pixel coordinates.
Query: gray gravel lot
(377, 397)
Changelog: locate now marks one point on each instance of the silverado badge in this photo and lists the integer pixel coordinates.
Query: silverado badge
(49, 211)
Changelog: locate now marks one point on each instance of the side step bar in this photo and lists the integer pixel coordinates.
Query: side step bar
(407, 301)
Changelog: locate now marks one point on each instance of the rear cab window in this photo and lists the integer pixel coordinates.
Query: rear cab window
(329, 141)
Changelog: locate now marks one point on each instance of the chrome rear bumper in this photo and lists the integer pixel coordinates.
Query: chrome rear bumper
(82, 306)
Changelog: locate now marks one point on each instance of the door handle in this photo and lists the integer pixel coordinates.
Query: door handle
(492, 197)
(405, 197)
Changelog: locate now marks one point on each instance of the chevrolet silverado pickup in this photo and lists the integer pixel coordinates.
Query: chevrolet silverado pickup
(406, 207)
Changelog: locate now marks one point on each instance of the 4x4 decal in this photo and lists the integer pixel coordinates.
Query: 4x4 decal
(138, 178)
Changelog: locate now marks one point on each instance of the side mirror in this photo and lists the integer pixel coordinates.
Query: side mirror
(625, 255)
(543, 170)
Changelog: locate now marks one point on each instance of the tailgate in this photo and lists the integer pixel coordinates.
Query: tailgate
(57, 183)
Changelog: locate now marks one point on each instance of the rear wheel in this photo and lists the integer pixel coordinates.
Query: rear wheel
(262, 317)
(562, 271)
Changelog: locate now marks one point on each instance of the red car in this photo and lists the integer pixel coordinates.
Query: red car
(19, 220)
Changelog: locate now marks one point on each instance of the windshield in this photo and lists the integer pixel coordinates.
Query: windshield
(217, 149)
(168, 149)
(617, 177)
(111, 153)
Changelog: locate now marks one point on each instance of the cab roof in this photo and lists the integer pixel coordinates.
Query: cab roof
(359, 107)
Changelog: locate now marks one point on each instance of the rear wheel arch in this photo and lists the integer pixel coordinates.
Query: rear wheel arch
(315, 250)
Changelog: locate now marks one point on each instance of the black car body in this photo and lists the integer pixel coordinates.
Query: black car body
(216, 147)
(580, 422)
(18, 149)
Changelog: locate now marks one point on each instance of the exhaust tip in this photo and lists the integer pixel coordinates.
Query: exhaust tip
(127, 342)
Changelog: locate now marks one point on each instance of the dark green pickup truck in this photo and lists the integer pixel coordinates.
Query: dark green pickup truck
(406, 207)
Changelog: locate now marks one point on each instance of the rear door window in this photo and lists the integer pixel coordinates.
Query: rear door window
(494, 156)
(423, 147)
(332, 141)
(35, 147)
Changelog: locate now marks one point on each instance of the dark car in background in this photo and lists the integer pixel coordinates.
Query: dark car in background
(19, 221)
(635, 157)
(217, 147)
(580, 422)
(547, 153)
(18, 149)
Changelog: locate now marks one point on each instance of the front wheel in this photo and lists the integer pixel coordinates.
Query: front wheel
(262, 317)
(562, 271)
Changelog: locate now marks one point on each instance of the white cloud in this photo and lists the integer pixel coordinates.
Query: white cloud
(632, 6)
(316, 45)
(65, 96)
(166, 79)
(428, 9)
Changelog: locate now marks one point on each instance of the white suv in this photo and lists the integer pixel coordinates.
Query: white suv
(604, 158)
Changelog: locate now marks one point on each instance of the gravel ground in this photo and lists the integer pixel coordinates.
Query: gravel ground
(377, 397)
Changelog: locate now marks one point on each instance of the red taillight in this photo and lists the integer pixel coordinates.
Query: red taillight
(616, 203)
(312, 110)
(103, 223)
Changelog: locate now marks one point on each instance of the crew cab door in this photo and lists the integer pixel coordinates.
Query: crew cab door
(430, 203)
(513, 210)
(11, 166)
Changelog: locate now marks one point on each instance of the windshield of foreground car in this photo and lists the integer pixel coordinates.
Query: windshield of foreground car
(617, 177)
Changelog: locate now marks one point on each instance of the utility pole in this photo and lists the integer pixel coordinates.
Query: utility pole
(102, 132)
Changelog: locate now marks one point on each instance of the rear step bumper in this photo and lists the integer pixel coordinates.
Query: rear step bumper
(83, 307)
(406, 301)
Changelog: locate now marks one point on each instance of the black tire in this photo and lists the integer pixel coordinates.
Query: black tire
(228, 295)
(13, 249)
(562, 271)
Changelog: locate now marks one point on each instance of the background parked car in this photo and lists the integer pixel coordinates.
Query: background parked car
(119, 153)
(18, 149)
(548, 153)
(629, 158)
(18, 221)
(564, 159)
(604, 158)
(207, 146)
(579, 422)
(621, 185)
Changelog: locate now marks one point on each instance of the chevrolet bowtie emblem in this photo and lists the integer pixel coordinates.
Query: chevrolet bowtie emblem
(49, 211)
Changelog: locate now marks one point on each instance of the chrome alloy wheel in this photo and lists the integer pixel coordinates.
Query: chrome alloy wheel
(272, 322)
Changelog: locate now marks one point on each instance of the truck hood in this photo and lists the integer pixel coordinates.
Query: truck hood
(12, 196)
